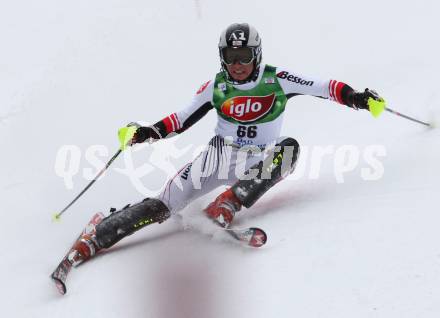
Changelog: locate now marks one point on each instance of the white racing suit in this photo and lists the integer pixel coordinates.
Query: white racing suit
(249, 123)
(249, 115)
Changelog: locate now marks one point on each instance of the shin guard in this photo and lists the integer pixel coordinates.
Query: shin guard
(280, 162)
(125, 222)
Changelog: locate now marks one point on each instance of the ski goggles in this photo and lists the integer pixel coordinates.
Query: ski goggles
(242, 55)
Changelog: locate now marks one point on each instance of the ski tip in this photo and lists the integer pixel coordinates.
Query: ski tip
(259, 237)
(60, 285)
(56, 217)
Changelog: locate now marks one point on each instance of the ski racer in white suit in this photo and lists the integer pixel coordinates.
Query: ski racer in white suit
(249, 98)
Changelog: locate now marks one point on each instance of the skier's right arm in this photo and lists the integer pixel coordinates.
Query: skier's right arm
(177, 123)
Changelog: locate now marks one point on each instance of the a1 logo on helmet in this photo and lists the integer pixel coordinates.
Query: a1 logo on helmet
(248, 108)
(237, 37)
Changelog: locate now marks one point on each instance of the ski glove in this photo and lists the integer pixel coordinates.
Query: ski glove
(370, 100)
(360, 99)
(142, 134)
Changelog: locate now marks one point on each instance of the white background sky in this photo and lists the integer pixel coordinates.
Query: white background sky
(73, 72)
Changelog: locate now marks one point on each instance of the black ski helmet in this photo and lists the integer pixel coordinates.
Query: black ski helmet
(241, 35)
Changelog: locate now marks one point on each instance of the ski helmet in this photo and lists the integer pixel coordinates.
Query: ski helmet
(240, 42)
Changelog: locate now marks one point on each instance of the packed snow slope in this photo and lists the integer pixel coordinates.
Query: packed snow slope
(73, 72)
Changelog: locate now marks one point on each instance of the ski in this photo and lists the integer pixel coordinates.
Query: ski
(59, 275)
(252, 236)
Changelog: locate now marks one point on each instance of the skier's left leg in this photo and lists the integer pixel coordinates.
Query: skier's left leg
(279, 162)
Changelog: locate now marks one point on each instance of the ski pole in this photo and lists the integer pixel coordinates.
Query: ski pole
(377, 105)
(125, 136)
(407, 117)
(58, 215)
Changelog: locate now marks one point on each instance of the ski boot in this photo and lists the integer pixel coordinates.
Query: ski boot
(86, 246)
(223, 209)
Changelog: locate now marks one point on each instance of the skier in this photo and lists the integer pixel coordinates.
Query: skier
(249, 98)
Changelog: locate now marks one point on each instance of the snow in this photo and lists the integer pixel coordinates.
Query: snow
(72, 73)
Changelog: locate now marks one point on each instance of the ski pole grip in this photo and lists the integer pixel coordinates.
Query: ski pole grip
(125, 135)
(376, 106)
